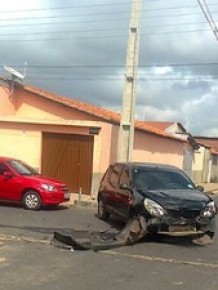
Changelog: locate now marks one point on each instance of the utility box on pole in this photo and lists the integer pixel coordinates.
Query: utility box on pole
(126, 134)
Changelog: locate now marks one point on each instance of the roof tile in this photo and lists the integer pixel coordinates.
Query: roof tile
(159, 125)
(101, 113)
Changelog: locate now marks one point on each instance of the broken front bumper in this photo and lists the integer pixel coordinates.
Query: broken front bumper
(135, 229)
(168, 225)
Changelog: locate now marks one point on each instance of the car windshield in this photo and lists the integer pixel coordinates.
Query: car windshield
(155, 178)
(22, 168)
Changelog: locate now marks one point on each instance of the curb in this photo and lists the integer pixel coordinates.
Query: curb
(84, 203)
(212, 192)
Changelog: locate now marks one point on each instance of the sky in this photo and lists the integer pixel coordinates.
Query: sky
(78, 49)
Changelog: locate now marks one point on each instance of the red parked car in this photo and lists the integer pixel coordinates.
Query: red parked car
(21, 183)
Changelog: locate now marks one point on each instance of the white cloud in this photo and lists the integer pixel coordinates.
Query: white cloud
(19, 5)
(149, 113)
(97, 50)
(162, 70)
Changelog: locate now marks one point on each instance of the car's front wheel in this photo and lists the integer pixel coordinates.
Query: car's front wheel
(32, 200)
(102, 213)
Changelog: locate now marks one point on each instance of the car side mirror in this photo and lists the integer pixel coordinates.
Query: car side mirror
(124, 186)
(8, 174)
(200, 188)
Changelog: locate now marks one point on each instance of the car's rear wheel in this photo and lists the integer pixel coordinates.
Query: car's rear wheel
(102, 213)
(32, 200)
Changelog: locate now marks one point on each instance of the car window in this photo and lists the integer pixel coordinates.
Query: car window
(3, 168)
(114, 175)
(160, 179)
(124, 178)
(22, 168)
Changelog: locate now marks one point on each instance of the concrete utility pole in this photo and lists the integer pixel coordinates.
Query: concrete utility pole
(126, 134)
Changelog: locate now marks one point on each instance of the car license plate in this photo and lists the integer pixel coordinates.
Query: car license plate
(67, 195)
(179, 228)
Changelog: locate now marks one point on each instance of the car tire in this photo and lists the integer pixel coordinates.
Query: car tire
(32, 200)
(102, 213)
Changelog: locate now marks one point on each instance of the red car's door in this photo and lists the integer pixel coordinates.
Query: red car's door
(10, 185)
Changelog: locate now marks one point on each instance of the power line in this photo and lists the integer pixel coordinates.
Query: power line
(175, 15)
(96, 5)
(63, 8)
(76, 38)
(197, 79)
(98, 21)
(63, 31)
(63, 22)
(104, 13)
(175, 7)
(89, 31)
(155, 65)
(205, 9)
(175, 32)
(63, 38)
(62, 16)
(118, 76)
(91, 14)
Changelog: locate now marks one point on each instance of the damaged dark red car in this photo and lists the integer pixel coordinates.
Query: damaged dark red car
(163, 196)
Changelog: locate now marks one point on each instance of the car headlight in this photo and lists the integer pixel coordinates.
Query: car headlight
(49, 187)
(210, 210)
(153, 208)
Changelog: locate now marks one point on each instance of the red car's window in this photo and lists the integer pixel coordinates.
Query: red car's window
(3, 168)
(22, 168)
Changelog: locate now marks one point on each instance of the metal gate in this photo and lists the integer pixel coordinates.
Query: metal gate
(69, 158)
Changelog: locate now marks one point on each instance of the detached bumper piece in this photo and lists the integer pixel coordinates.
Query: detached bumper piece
(134, 230)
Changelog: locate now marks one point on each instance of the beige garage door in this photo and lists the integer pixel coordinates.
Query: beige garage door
(69, 158)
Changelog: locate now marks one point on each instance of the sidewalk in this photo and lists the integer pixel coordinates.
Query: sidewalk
(210, 187)
(82, 200)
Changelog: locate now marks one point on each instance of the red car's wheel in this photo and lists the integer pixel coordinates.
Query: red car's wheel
(32, 200)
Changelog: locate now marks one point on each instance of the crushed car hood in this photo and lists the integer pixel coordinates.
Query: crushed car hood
(177, 198)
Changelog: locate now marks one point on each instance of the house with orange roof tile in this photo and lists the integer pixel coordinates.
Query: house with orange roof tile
(210, 145)
(205, 155)
(72, 140)
(169, 127)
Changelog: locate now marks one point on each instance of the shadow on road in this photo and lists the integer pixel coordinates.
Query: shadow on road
(46, 208)
(110, 226)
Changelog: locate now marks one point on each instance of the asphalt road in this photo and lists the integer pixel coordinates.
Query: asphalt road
(29, 261)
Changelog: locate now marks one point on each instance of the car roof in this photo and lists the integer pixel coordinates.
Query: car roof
(3, 158)
(147, 165)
